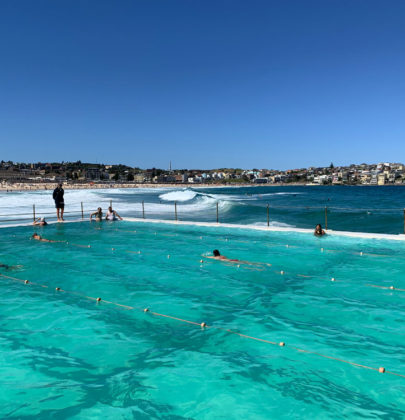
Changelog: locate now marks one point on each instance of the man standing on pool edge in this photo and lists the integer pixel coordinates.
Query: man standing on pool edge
(58, 193)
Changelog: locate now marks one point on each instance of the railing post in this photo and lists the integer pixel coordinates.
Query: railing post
(326, 218)
(268, 216)
(217, 213)
(110, 203)
(175, 211)
(33, 211)
(143, 210)
(81, 203)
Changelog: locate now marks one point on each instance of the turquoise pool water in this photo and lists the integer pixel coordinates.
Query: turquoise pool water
(65, 356)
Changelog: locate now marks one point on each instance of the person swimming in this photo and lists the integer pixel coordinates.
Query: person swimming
(318, 230)
(97, 214)
(10, 267)
(41, 239)
(112, 215)
(216, 255)
(40, 222)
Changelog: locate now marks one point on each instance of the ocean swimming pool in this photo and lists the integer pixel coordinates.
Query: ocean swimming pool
(66, 356)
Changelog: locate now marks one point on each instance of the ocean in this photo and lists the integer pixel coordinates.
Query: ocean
(357, 208)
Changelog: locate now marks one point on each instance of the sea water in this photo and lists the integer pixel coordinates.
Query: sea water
(64, 355)
(360, 209)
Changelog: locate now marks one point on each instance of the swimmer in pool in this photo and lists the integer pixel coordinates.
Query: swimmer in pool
(10, 267)
(97, 214)
(41, 239)
(217, 256)
(112, 215)
(40, 222)
(319, 231)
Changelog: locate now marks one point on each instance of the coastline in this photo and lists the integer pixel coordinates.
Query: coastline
(46, 186)
(17, 187)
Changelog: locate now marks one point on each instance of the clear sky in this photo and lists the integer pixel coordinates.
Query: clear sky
(269, 84)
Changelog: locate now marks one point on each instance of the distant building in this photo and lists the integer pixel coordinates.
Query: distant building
(139, 178)
(381, 179)
(92, 174)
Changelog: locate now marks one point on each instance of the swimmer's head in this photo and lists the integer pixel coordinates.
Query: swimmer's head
(99, 209)
(216, 253)
(36, 236)
(110, 208)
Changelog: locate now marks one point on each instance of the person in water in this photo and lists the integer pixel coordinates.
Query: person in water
(112, 215)
(216, 255)
(97, 214)
(10, 267)
(41, 239)
(318, 230)
(40, 222)
(58, 194)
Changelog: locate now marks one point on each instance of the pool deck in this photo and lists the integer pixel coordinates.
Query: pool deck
(367, 235)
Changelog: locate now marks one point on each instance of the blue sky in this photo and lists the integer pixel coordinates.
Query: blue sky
(205, 84)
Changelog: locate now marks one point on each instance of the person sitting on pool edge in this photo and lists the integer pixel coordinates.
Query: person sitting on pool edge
(112, 215)
(97, 214)
(41, 239)
(318, 230)
(40, 222)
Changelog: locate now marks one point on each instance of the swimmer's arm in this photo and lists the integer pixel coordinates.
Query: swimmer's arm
(119, 217)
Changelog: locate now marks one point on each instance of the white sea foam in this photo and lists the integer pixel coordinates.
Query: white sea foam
(20, 204)
(281, 193)
(182, 195)
(272, 224)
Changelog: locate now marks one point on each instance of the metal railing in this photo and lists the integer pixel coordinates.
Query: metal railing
(324, 212)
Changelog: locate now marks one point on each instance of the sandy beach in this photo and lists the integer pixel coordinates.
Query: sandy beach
(25, 186)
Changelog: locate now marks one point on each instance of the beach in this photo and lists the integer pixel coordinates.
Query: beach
(26, 186)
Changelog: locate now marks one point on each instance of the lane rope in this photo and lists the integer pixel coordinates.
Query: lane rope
(203, 325)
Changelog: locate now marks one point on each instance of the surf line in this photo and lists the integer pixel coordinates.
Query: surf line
(204, 325)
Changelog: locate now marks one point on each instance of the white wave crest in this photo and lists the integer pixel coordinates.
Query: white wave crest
(182, 195)
(272, 224)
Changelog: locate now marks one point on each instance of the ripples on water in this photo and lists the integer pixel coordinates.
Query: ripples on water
(67, 357)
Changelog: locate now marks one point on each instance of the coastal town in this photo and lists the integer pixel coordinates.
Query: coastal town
(12, 173)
